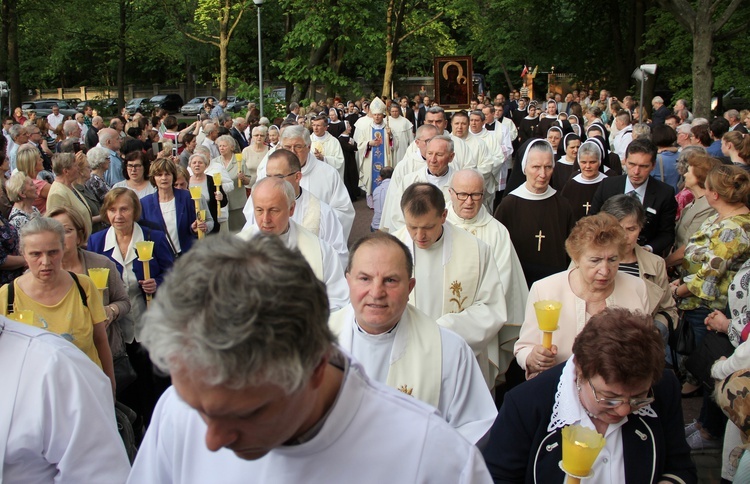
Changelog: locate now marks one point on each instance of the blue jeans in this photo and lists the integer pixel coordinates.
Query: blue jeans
(696, 318)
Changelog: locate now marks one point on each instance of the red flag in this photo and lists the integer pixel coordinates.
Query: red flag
(524, 71)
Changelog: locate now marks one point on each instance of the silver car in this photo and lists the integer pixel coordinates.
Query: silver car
(195, 105)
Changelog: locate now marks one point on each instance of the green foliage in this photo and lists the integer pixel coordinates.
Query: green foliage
(271, 106)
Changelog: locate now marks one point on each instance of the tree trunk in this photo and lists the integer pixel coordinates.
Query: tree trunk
(121, 47)
(3, 39)
(387, 73)
(223, 44)
(14, 71)
(507, 79)
(703, 78)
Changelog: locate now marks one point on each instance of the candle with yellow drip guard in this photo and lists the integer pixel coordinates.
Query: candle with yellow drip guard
(580, 448)
(100, 276)
(145, 250)
(547, 316)
(217, 184)
(238, 157)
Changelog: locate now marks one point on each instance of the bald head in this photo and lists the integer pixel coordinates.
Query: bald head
(469, 186)
(273, 204)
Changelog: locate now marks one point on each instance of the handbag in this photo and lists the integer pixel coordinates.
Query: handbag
(125, 374)
(682, 338)
(713, 346)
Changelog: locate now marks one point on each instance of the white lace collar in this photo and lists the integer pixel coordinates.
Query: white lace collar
(567, 409)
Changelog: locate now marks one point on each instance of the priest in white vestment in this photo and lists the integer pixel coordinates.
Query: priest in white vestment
(437, 172)
(57, 417)
(273, 201)
(261, 393)
(325, 147)
(435, 116)
(402, 131)
(457, 280)
(309, 211)
(400, 346)
(317, 177)
(477, 129)
(374, 146)
(485, 159)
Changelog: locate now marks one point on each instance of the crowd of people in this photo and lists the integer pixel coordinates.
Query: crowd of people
(244, 329)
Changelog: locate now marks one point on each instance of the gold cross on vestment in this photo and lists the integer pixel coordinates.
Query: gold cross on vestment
(540, 237)
(587, 206)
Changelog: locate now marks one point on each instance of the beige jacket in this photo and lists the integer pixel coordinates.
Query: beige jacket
(653, 272)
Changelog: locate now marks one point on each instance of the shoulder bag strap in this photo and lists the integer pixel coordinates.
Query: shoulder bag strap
(80, 289)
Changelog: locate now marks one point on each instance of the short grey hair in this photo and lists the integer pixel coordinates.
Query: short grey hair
(62, 161)
(210, 128)
(478, 112)
(40, 225)
(436, 110)
(97, 156)
(240, 313)
(261, 130)
(642, 131)
(228, 140)
(293, 132)
(282, 185)
(16, 131)
(445, 138)
(69, 127)
(621, 206)
(203, 151)
(199, 156)
(14, 186)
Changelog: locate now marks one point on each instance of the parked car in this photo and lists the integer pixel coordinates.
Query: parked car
(279, 94)
(235, 104)
(171, 102)
(43, 107)
(103, 106)
(730, 100)
(138, 105)
(195, 105)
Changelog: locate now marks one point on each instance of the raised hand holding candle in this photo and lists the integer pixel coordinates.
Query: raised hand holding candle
(145, 249)
(217, 184)
(547, 316)
(580, 448)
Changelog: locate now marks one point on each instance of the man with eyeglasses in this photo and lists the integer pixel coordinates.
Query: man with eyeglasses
(437, 172)
(457, 281)
(467, 211)
(309, 211)
(273, 207)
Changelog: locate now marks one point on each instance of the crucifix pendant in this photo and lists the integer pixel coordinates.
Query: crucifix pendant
(587, 206)
(540, 237)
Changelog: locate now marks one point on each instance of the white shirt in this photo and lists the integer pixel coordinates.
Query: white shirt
(169, 213)
(465, 401)
(372, 435)
(329, 230)
(57, 419)
(211, 145)
(640, 191)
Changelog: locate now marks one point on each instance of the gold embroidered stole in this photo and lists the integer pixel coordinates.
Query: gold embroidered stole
(461, 272)
(311, 217)
(309, 245)
(416, 359)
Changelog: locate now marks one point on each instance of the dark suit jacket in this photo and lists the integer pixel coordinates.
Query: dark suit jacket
(162, 257)
(185, 208)
(660, 206)
(239, 137)
(660, 116)
(520, 449)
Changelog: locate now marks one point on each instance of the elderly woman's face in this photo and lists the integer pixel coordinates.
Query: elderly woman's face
(43, 253)
(197, 165)
(224, 148)
(72, 240)
(273, 136)
(258, 137)
(596, 388)
(691, 181)
(632, 231)
(121, 213)
(598, 266)
(589, 164)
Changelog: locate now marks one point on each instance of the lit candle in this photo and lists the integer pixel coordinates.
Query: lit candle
(100, 276)
(547, 316)
(580, 448)
(145, 249)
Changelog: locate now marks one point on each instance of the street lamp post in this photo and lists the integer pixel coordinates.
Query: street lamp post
(259, 3)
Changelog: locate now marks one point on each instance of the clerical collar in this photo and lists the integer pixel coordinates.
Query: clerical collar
(380, 335)
(430, 174)
(523, 192)
(318, 138)
(583, 181)
(480, 134)
(299, 194)
(341, 362)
